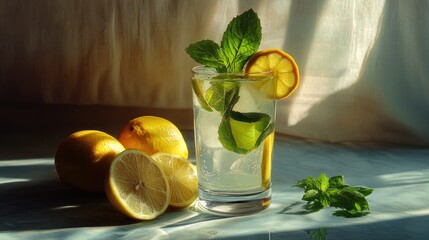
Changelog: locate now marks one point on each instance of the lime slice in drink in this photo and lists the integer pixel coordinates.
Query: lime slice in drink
(243, 132)
(246, 131)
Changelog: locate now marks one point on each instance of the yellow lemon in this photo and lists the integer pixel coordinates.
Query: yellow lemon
(182, 177)
(136, 186)
(283, 65)
(82, 160)
(153, 134)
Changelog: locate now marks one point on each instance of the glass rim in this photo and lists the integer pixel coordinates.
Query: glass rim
(211, 73)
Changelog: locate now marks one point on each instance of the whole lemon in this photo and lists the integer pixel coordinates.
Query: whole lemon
(83, 159)
(152, 134)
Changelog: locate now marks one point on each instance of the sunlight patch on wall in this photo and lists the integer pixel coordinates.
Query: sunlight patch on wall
(335, 55)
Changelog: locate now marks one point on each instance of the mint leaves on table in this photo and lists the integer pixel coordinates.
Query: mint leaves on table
(238, 132)
(334, 192)
(239, 42)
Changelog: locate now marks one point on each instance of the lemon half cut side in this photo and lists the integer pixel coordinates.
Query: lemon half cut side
(136, 186)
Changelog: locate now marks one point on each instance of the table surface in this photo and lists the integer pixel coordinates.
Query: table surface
(36, 205)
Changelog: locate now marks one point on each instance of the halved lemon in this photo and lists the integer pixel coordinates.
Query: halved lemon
(136, 186)
(182, 177)
(284, 67)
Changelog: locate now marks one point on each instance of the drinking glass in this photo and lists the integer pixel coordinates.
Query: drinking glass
(234, 118)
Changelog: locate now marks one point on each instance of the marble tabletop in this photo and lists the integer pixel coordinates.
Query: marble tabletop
(34, 204)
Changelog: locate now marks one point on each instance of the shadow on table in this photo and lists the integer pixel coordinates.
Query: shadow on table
(33, 198)
(51, 205)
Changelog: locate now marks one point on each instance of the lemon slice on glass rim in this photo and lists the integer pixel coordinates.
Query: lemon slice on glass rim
(284, 67)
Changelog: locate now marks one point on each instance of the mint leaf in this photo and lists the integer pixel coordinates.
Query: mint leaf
(315, 191)
(334, 192)
(222, 96)
(350, 199)
(324, 182)
(309, 183)
(310, 195)
(336, 181)
(325, 199)
(207, 52)
(364, 190)
(241, 40)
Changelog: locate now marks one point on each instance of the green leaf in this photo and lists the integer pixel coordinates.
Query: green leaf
(310, 195)
(351, 199)
(313, 206)
(364, 190)
(309, 183)
(267, 131)
(207, 53)
(333, 192)
(225, 136)
(241, 40)
(336, 181)
(222, 96)
(324, 182)
(325, 200)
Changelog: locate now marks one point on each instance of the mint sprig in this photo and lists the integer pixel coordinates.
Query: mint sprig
(240, 41)
(323, 192)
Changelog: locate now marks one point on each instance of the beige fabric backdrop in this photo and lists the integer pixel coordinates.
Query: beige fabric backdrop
(364, 63)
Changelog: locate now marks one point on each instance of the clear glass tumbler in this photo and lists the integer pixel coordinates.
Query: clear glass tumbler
(234, 119)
